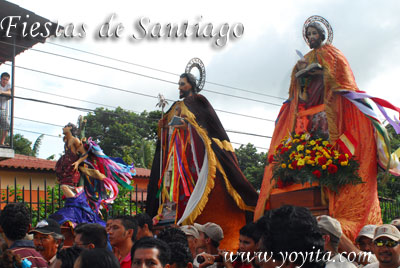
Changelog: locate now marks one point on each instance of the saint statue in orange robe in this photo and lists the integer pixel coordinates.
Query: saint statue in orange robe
(316, 103)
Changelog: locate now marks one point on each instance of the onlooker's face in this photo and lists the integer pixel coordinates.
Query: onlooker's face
(46, 245)
(146, 258)
(79, 243)
(201, 241)
(192, 242)
(108, 224)
(386, 253)
(4, 81)
(247, 244)
(365, 244)
(117, 233)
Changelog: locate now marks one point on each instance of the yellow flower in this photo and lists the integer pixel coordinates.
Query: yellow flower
(300, 147)
(290, 146)
(308, 151)
(290, 166)
(347, 156)
(300, 162)
(312, 142)
(310, 162)
(344, 163)
(324, 167)
(303, 137)
(329, 162)
(283, 165)
(325, 143)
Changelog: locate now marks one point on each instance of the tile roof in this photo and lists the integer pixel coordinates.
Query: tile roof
(30, 162)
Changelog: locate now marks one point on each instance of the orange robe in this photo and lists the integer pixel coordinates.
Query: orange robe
(354, 206)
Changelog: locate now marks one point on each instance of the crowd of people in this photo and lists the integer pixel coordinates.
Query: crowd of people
(285, 237)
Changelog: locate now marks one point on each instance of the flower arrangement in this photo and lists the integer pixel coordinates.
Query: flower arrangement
(309, 158)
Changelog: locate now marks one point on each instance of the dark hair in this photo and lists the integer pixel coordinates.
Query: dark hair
(74, 129)
(10, 260)
(173, 234)
(5, 74)
(191, 80)
(164, 252)
(319, 29)
(250, 230)
(128, 222)
(99, 258)
(291, 229)
(180, 254)
(68, 256)
(92, 233)
(143, 219)
(15, 221)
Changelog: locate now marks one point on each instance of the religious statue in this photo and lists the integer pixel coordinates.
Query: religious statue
(324, 98)
(195, 175)
(84, 163)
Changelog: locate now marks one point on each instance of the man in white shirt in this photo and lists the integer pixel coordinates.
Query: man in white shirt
(5, 91)
(331, 232)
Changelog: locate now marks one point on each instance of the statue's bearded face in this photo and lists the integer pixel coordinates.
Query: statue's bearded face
(185, 89)
(313, 37)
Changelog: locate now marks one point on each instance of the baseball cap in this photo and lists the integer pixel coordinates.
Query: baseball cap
(396, 222)
(387, 230)
(47, 226)
(212, 230)
(330, 225)
(190, 230)
(367, 231)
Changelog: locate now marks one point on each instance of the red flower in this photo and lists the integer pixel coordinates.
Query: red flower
(284, 150)
(329, 146)
(280, 183)
(294, 164)
(317, 173)
(318, 142)
(271, 158)
(279, 146)
(342, 158)
(312, 153)
(332, 168)
(322, 160)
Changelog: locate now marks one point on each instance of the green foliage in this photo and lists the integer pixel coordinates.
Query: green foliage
(389, 185)
(125, 134)
(22, 145)
(251, 163)
(122, 204)
(36, 146)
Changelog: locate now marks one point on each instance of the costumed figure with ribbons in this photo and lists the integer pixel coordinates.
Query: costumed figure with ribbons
(85, 163)
(195, 175)
(324, 98)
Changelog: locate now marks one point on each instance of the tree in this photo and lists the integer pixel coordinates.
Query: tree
(23, 146)
(389, 185)
(125, 134)
(251, 163)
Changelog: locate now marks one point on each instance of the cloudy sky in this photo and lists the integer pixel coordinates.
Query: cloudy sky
(260, 61)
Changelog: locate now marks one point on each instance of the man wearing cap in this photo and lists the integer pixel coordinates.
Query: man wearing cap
(192, 235)
(48, 239)
(210, 235)
(365, 237)
(331, 232)
(386, 247)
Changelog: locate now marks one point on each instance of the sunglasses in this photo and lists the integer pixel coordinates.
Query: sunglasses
(387, 243)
